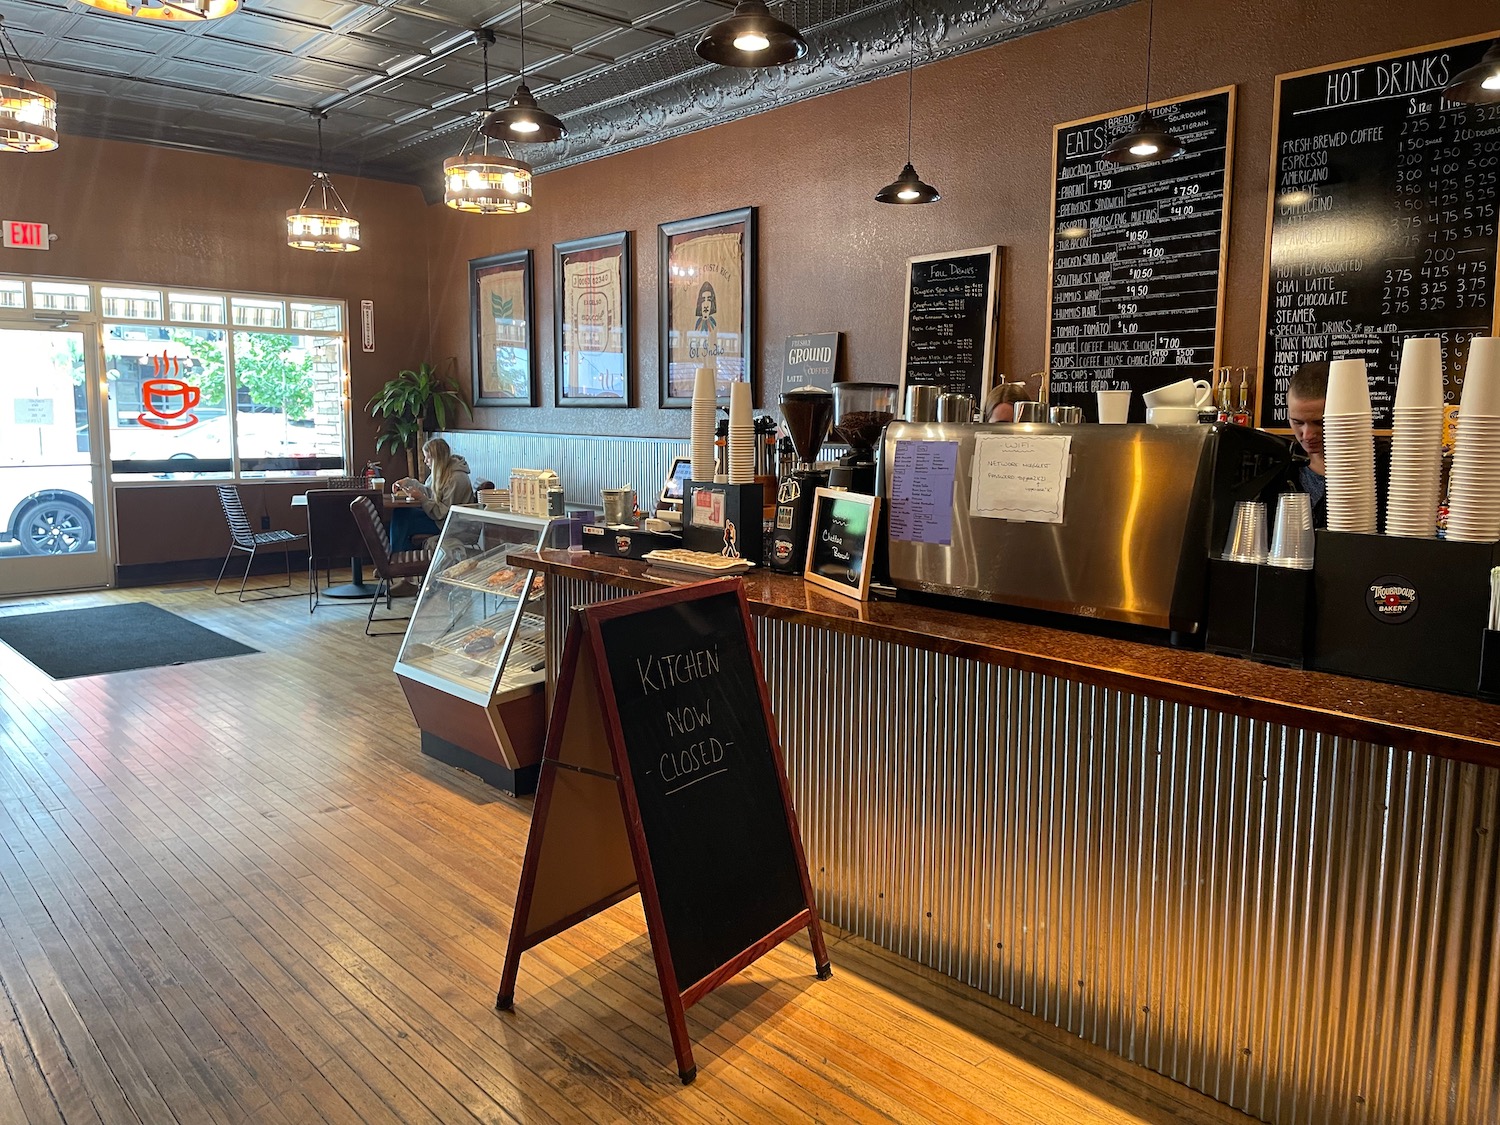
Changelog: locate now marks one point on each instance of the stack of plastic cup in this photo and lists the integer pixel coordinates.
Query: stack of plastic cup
(1474, 491)
(705, 416)
(1292, 536)
(1247, 533)
(741, 435)
(1349, 448)
(1416, 441)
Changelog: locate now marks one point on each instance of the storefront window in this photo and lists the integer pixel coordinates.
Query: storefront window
(168, 394)
(289, 401)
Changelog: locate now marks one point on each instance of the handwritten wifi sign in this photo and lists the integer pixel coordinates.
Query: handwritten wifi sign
(19, 235)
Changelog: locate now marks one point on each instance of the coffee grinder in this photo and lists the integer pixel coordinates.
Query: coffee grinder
(861, 411)
(808, 412)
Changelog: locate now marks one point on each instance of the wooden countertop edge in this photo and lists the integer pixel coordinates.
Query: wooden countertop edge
(1364, 728)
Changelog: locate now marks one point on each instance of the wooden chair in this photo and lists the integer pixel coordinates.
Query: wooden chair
(390, 567)
(332, 533)
(243, 538)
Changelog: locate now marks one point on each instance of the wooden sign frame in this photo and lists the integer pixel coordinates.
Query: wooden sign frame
(823, 502)
(992, 316)
(587, 849)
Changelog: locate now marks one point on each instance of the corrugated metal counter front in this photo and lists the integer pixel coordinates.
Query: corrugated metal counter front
(1287, 904)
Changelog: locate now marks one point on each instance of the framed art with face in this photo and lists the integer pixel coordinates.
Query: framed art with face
(707, 299)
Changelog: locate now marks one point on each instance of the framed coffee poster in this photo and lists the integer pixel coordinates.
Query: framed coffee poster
(591, 291)
(707, 299)
(501, 316)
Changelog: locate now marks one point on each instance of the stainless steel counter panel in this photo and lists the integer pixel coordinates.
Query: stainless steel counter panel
(1302, 926)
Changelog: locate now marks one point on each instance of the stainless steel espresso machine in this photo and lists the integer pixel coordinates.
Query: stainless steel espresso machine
(1138, 513)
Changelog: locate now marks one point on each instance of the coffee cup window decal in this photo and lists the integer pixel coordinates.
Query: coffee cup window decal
(166, 398)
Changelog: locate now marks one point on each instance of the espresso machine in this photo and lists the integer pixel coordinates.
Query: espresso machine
(861, 411)
(807, 412)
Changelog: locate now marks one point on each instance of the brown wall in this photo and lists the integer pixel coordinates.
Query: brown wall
(832, 258)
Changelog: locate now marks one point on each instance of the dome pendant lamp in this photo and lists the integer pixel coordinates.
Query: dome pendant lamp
(908, 186)
(1149, 140)
(751, 36)
(28, 110)
(521, 119)
(168, 11)
(1480, 84)
(328, 228)
(478, 181)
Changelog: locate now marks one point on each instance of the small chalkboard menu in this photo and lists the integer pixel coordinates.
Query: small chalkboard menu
(662, 774)
(1381, 220)
(841, 542)
(810, 361)
(951, 305)
(1137, 281)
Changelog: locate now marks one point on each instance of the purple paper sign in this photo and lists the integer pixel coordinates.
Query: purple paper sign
(922, 491)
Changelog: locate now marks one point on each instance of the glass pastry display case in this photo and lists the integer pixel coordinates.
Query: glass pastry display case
(472, 662)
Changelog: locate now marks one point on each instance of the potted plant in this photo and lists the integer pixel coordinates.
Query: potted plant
(411, 404)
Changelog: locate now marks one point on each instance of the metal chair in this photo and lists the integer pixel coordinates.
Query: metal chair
(243, 538)
(332, 534)
(390, 567)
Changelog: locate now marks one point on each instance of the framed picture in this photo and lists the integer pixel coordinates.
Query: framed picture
(591, 297)
(501, 318)
(841, 542)
(707, 300)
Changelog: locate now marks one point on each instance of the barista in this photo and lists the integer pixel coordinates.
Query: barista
(1000, 403)
(1305, 396)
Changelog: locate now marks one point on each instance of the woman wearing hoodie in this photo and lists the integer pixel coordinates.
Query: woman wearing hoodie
(447, 484)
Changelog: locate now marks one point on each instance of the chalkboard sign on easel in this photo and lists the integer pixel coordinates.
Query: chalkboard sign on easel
(663, 774)
(1137, 279)
(952, 301)
(1381, 220)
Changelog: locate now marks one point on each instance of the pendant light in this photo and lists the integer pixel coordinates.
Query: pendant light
(521, 119)
(481, 183)
(908, 186)
(176, 11)
(751, 36)
(1480, 84)
(28, 110)
(1149, 140)
(328, 228)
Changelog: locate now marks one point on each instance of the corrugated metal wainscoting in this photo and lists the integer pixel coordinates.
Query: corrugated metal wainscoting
(1301, 926)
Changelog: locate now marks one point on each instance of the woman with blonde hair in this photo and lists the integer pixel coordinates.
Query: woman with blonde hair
(447, 484)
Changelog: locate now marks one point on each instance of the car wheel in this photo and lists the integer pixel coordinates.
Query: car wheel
(56, 527)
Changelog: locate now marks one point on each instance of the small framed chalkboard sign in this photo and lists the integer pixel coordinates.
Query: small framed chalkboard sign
(841, 544)
(948, 336)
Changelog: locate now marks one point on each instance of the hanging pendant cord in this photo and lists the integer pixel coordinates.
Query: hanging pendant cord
(1150, 28)
(523, 42)
(13, 62)
(911, 51)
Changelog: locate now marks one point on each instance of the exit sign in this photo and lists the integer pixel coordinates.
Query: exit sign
(26, 236)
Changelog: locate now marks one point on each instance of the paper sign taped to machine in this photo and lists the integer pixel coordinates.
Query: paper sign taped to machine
(1019, 478)
(922, 492)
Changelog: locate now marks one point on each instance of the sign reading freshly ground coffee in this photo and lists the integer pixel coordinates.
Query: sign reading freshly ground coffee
(951, 304)
(810, 361)
(1137, 255)
(1381, 220)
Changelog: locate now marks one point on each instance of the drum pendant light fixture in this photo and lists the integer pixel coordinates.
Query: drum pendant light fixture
(327, 227)
(174, 11)
(521, 119)
(481, 182)
(908, 186)
(751, 36)
(1148, 141)
(1480, 84)
(28, 110)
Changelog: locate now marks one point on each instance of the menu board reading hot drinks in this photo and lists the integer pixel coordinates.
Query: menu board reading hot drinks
(1136, 255)
(951, 302)
(1382, 221)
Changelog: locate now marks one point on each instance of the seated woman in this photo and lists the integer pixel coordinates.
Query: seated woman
(447, 484)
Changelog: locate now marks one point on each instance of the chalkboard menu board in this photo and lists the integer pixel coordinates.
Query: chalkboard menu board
(1137, 255)
(1382, 220)
(951, 305)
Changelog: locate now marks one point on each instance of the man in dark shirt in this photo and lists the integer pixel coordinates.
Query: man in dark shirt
(1305, 396)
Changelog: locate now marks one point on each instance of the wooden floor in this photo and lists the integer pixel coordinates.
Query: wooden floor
(234, 891)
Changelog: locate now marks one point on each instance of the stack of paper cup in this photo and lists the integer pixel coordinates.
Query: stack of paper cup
(1474, 492)
(741, 435)
(1416, 441)
(1349, 448)
(705, 414)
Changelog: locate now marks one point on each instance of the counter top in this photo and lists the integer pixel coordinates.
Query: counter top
(1452, 726)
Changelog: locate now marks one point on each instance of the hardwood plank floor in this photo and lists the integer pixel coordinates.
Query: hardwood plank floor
(235, 891)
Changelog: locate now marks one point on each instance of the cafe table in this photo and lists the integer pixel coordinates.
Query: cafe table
(357, 587)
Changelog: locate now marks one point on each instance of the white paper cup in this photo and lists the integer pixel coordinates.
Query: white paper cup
(1114, 407)
(1348, 388)
(1482, 378)
(1420, 382)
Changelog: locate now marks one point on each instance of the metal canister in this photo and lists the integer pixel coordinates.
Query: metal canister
(955, 408)
(921, 403)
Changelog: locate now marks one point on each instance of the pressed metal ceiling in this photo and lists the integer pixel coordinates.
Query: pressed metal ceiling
(400, 80)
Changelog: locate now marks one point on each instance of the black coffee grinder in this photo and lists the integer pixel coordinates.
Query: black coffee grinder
(808, 412)
(861, 411)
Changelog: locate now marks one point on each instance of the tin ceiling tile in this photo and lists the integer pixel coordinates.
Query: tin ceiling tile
(316, 72)
(219, 52)
(276, 35)
(100, 58)
(323, 13)
(396, 27)
(357, 52)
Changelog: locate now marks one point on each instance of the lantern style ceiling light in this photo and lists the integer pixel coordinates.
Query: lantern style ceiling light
(479, 181)
(521, 119)
(1480, 84)
(28, 110)
(908, 186)
(751, 36)
(176, 11)
(328, 227)
(1149, 140)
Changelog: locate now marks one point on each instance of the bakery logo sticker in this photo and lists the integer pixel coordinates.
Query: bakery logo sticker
(622, 544)
(781, 550)
(1392, 599)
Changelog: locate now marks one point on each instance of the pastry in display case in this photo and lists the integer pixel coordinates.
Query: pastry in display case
(473, 663)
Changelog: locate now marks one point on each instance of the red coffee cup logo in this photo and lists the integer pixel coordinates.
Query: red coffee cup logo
(166, 401)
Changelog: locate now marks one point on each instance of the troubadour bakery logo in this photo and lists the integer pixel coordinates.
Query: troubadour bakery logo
(1392, 599)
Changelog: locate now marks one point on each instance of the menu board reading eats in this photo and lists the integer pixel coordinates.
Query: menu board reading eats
(1137, 255)
(951, 304)
(1382, 220)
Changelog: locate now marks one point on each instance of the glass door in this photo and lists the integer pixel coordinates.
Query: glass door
(53, 525)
